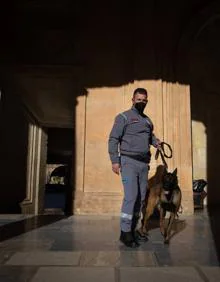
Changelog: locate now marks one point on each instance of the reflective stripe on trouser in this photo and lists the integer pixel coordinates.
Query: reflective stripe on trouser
(134, 178)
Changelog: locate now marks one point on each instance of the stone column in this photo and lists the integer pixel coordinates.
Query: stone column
(79, 162)
(98, 190)
(177, 132)
(42, 162)
(36, 170)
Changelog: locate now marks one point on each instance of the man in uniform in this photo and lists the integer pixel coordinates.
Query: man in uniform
(129, 150)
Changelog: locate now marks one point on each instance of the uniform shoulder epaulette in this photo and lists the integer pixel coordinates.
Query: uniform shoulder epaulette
(124, 116)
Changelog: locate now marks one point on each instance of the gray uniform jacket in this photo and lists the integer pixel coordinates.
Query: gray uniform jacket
(131, 135)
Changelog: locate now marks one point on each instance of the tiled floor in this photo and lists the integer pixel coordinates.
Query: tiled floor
(86, 248)
(11, 218)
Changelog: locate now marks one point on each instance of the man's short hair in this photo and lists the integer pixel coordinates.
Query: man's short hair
(140, 91)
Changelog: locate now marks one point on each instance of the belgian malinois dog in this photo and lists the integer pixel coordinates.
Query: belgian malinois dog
(167, 197)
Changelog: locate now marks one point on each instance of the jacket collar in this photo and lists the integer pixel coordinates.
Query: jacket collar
(134, 109)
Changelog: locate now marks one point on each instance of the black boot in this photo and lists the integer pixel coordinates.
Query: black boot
(127, 238)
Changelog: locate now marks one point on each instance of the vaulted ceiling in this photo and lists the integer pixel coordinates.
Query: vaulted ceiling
(52, 50)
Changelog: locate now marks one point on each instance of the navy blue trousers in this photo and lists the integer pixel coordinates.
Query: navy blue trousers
(134, 176)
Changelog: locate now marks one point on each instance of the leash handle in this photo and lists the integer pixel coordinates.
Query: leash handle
(163, 150)
(162, 153)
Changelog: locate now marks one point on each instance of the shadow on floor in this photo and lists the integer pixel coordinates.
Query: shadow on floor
(14, 229)
(214, 217)
(177, 227)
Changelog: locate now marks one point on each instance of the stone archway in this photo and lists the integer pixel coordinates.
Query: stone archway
(198, 63)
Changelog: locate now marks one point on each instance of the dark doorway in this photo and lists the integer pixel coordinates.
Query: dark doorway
(59, 184)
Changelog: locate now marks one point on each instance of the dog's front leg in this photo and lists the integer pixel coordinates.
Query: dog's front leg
(143, 228)
(147, 212)
(162, 221)
(169, 228)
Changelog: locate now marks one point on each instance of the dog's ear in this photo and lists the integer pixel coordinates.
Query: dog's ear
(165, 171)
(175, 171)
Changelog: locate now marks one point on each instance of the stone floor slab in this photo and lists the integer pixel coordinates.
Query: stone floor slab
(70, 274)
(211, 273)
(5, 256)
(196, 244)
(45, 258)
(16, 273)
(158, 274)
(17, 245)
(109, 258)
(118, 259)
(139, 258)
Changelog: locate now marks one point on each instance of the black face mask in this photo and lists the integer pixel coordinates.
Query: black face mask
(140, 106)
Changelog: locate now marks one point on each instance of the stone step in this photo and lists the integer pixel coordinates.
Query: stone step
(52, 211)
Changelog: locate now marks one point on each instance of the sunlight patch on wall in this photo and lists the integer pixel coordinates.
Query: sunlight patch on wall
(199, 143)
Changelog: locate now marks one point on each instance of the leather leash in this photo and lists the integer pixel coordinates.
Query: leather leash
(161, 151)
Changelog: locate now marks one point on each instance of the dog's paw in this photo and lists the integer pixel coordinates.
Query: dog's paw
(141, 236)
(142, 232)
(166, 241)
(163, 233)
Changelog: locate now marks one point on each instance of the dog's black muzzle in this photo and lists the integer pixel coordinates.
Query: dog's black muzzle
(168, 189)
(168, 186)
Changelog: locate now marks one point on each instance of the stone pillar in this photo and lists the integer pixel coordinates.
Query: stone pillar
(79, 163)
(42, 162)
(177, 132)
(97, 189)
(36, 170)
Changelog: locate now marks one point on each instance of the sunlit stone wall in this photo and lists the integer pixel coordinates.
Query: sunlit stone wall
(98, 189)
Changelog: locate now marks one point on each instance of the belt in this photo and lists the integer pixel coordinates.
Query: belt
(140, 158)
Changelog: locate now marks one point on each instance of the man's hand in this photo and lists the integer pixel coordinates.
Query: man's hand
(116, 168)
(158, 145)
